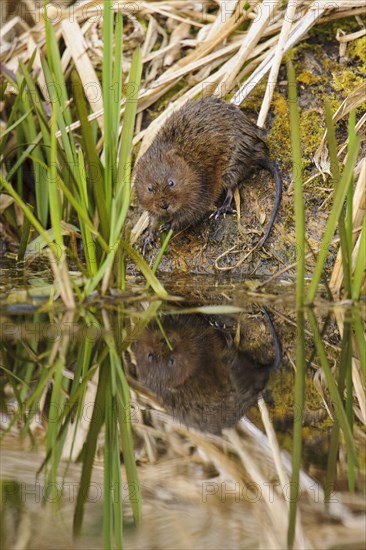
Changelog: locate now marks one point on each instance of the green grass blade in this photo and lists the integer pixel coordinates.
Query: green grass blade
(90, 448)
(331, 463)
(53, 194)
(124, 160)
(124, 419)
(17, 105)
(333, 390)
(345, 367)
(351, 462)
(110, 140)
(27, 211)
(25, 154)
(117, 496)
(349, 196)
(57, 80)
(37, 103)
(298, 422)
(358, 276)
(109, 444)
(40, 176)
(89, 248)
(14, 126)
(75, 203)
(360, 342)
(298, 185)
(117, 73)
(339, 197)
(161, 253)
(145, 270)
(96, 186)
(139, 262)
(24, 237)
(56, 404)
(66, 138)
(332, 146)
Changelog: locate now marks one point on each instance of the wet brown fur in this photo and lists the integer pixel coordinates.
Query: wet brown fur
(206, 148)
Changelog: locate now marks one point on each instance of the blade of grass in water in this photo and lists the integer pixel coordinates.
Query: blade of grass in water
(121, 393)
(344, 362)
(360, 342)
(56, 406)
(138, 261)
(124, 419)
(298, 184)
(117, 496)
(25, 236)
(333, 391)
(339, 197)
(297, 432)
(90, 447)
(161, 254)
(351, 463)
(109, 443)
(334, 163)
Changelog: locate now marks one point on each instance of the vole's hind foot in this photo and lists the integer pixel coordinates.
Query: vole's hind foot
(222, 211)
(226, 207)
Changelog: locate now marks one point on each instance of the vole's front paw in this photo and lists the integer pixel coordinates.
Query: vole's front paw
(165, 227)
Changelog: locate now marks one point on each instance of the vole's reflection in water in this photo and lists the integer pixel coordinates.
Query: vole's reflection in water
(199, 373)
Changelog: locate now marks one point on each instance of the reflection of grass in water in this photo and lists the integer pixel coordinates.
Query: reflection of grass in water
(242, 455)
(343, 189)
(65, 394)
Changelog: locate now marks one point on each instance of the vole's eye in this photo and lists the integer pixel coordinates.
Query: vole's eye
(150, 356)
(171, 362)
(150, 188)
(171, 183)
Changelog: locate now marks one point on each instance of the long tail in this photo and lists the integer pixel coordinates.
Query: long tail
(272, 167)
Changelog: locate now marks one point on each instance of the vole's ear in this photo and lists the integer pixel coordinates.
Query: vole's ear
(173, 153)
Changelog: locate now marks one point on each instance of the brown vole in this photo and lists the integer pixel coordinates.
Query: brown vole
(205, 149)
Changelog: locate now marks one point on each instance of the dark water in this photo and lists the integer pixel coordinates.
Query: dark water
(171, 425)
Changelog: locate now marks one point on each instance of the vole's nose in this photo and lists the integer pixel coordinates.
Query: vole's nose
(164, 205)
